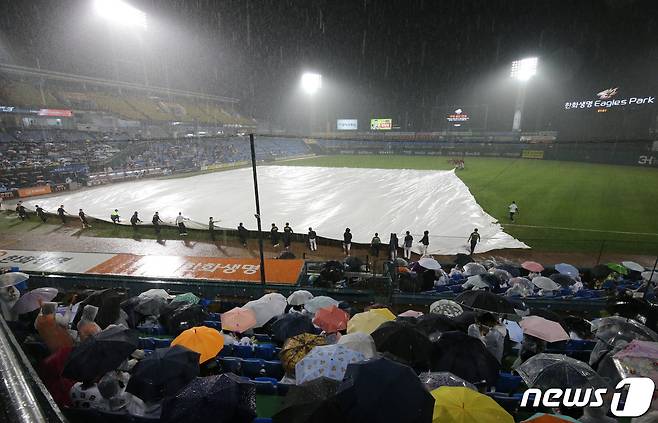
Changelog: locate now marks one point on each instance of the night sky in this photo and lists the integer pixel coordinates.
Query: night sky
(409, 60)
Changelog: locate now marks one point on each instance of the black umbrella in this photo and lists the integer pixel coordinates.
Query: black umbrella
(466, 357)
(383, 391)
(184, 316)
(404, 343)
(462, 259)
(291, 324)
(225, 398)
(561, 279)
(431, 323)
(465, 319)
(580, 326)
(513, 270)
(601, 271)
(306, 402)
(128, 306)
(100, 353)
(484, 300)
(108, 302)
(163, 373)
(150, 306)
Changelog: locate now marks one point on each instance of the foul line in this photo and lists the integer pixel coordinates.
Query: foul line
(579, 229)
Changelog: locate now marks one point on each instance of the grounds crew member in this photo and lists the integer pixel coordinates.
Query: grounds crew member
(408, 242)
(115, 216)
(375, 244)
(211, 228)
(312, 240)
(287, 236)
(41, 213)
(425, 242)
(182, 230)
(134, 220)
(274, 235)
(243, 233)
(61, 212)
(474, 238)
(513, 210)
(156, 222)
(83, 219)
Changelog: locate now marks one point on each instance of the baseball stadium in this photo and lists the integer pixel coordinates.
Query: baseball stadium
(309, 212)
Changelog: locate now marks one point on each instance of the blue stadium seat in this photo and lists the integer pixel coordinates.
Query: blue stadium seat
(162, 343)
(507, 382)
(146, 344)
(230, 365)
(273, 368)
(253, 367)
(264, 351)
(262, 337)
(581, 344)
(227, 351)
(262, 420)
(216, 317)
(243, 351)
(213, 324)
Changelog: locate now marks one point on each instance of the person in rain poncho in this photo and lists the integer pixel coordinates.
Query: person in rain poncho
(180, 222)
(489, 330)
(87, 326)
(52, 328)
(408, 242)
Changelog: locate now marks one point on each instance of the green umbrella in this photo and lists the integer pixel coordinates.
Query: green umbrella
(187, 298)
(618, 268)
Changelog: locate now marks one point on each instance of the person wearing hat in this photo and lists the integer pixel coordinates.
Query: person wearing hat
(87, 326)
(52, 330)
(474, 238)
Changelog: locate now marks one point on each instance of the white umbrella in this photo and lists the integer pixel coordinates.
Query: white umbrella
(316, 303)
(32, 300)
(429, 263)
(265, 310)
(156, 293)
(446, 307)
(274, 296)
(475, 281)
(471, 269)
(648, 277)
(12, 278)
(361, 342)
(547, 284)
(631, 265)
(299, 297)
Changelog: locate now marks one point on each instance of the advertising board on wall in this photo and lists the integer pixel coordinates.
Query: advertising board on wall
(381, 124)
(347, 124)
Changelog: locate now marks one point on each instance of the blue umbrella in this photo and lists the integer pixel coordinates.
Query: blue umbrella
(567, 269)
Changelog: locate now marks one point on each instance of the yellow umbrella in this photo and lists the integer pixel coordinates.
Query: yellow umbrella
(296, 348)
(201, 339)
(370, 320)
(464, 405)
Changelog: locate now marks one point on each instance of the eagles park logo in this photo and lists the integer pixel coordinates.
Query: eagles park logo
(607, 94)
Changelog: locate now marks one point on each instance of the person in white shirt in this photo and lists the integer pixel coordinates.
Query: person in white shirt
(513, 210)
(182, 230)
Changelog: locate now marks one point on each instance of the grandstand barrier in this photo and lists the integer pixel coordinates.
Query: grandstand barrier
(34, 191)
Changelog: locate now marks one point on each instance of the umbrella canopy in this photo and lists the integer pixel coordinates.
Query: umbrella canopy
(331, 319)
(400, 262)
(510, 268)
(483, 300)
(156, 293)
(163, 373)
(12, 278)
(471, 269)
(382, 390)
(613, 329)
(520, 286)
(368, 321)
(479, 281)
(544, 329)
(631, 265)
(616, 267)
(404, 342)
(550, 418)
(32, 300)
(181, 316)
(304, 402)
(650, 276)
(432, 323)
(600, 271)
(411, 313)
(434, 380)
(547, 371)
(532, 266)
(296, 348)
(266, 309)
(547, 284)
(562, 280)
(638, 359)
(466, 357)
(299, 297)
(502, 275)
(108, 302)
(321, 301)
(188, 297)
(514, 330)
(429, 263)
(205, 341)
(100, 353)
(360, 342)
(225, 398)
(291, 324)
(238, 319)
(461, 405)
(149, 306)
(326, 361)
(446, 307)
(567, 269)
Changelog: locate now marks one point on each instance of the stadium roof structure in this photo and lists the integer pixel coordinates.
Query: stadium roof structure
(67, 77)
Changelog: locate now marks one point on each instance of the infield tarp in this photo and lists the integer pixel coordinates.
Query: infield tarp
(327, 199)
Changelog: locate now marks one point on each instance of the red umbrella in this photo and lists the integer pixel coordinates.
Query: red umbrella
(532, 266)
(331, 319)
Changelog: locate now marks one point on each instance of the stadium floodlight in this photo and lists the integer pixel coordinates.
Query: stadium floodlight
(524, 69)
(311, 82)
(120, 13)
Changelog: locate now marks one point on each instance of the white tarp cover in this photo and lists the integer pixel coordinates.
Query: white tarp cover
(327, 199)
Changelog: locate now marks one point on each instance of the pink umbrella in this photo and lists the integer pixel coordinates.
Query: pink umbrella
(638, 359)
(33, 300)
(238, 319)
(532, 266)
(331, 319)
(410, 313)
(545, 329)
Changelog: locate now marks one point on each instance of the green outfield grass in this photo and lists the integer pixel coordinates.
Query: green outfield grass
(581, 196)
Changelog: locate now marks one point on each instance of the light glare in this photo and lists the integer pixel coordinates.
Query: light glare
(120, 13)
(311, 82)
(524, 69)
